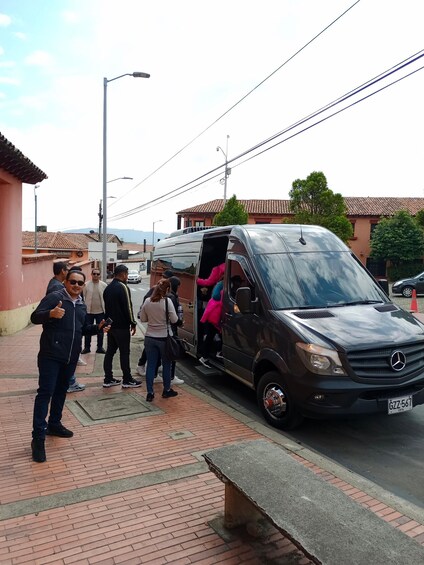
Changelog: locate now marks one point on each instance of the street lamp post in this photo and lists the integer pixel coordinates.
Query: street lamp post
(104, 242)
(227, 169)
(35, 219)
(153, 234)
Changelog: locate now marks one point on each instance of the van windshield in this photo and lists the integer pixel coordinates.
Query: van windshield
(317, 280)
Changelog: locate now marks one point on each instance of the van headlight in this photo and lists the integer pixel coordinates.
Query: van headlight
(320, 360)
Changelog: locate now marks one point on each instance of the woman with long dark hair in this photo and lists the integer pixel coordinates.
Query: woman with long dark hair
(153, 312)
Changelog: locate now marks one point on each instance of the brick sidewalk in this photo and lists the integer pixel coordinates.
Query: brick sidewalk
(133, 490)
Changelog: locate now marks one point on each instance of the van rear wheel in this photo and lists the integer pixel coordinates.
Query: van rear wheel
(275, 402)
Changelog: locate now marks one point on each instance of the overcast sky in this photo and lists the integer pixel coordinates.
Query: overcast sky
(203, 58)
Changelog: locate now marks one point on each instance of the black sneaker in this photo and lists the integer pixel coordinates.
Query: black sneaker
(112, 382)
(100, 350)
(38, 450)
(59, 431)
(150, 396)
(85, 350)
(169, 393)
(131, 384)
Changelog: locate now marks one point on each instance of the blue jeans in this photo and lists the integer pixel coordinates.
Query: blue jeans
(155, 350)
(53, 382)
(94, 319)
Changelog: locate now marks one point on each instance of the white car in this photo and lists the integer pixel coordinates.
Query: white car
(134, 276)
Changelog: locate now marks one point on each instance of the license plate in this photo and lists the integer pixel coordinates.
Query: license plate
(401, 404)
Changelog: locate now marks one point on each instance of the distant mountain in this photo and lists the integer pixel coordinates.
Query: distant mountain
(128, 236)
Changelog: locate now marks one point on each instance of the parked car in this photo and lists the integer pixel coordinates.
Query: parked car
(134, 276)
(406, 286)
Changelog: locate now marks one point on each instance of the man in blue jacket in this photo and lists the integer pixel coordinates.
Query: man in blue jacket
(63, 315)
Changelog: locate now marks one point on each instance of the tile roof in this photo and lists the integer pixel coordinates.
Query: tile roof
(15, 163)
(60, 240)
(356, 206)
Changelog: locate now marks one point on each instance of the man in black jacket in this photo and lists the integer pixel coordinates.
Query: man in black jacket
(63, 315)
(60, 269)
(119, 308)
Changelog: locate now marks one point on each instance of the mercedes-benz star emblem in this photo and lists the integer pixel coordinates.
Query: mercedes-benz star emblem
(397, 360)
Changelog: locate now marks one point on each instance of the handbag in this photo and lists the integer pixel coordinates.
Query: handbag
(174, 346)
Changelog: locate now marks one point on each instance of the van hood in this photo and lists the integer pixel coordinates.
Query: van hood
(349, 327)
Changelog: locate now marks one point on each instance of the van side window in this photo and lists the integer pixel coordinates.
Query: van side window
(237, 278)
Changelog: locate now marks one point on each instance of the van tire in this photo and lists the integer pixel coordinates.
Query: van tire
(283, 413)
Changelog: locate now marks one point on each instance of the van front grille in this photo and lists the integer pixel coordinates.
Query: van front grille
(380, 363)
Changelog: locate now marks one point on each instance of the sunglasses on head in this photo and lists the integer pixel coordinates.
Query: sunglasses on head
(74, 282)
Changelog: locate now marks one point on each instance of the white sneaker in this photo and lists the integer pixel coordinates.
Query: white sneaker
(76, 387)
(141, 370)
(177, 381)
(204, 362)
(219, 355)
(81, 361)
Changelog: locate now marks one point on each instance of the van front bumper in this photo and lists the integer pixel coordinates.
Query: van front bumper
(325, 402)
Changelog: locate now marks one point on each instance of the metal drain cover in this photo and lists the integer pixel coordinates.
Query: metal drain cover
(110, 407)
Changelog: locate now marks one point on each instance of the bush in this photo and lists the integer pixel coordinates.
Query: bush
(404, 270)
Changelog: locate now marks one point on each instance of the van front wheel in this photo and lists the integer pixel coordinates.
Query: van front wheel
(275, 402)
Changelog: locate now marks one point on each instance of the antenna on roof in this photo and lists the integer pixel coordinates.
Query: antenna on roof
(301, 240)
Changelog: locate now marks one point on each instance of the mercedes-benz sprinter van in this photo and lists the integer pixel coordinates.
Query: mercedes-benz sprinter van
(309, 329)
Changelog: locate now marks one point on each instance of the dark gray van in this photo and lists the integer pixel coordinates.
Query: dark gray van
(310, 329)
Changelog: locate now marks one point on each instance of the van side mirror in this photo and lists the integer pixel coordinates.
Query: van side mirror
(244, 299)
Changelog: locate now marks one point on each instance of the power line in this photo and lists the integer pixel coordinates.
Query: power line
(236, 103)
(187, 186)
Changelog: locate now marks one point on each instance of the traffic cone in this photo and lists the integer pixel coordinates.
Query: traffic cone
(414, 305)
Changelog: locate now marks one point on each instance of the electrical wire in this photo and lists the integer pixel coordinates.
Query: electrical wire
(235, 104)
(187, 186)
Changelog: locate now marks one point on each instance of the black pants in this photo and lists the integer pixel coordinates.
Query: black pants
(118, 339)
(94, 319)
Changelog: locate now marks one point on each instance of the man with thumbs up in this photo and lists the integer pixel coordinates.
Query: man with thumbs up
(63, 315)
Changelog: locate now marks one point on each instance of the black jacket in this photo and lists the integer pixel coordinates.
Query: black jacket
(61, 338)
(118, 305)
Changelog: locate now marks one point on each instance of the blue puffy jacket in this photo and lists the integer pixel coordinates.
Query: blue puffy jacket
(61, 338)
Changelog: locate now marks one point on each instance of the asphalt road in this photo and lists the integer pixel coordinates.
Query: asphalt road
(388, 450)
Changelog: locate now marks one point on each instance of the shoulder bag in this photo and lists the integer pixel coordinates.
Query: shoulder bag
(174, 346)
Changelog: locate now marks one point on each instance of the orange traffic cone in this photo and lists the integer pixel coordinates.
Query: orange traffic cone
(414, 305)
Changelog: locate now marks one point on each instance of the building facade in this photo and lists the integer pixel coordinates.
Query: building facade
(364, 213)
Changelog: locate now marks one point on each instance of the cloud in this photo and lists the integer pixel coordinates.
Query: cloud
(70, 17)
(20, 35)
(5, 20)
(7, 64)
(39, 59)
(9, 80)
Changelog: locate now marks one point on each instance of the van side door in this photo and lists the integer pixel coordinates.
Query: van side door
(240, 332)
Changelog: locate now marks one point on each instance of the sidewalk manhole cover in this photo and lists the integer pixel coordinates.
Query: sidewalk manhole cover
(110, 407)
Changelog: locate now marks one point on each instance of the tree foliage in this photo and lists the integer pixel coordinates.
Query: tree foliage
(397, 239)
(232, 214)
(419, 218)
(314, 203)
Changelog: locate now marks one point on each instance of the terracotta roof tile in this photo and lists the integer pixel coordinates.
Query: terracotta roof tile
(61, 240)
(356, 206)
(15, 163)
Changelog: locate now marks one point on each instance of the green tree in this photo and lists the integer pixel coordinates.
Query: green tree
(314, 203)
(232, 214)
(398, 239)
(419, 218)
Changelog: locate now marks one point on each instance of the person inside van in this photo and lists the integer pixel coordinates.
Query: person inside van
(212, 320)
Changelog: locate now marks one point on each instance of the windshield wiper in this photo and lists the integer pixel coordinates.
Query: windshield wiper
(355, 302)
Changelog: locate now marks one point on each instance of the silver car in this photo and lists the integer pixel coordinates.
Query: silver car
(134, 276)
